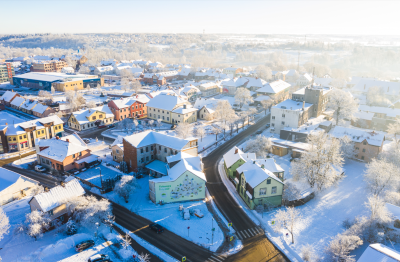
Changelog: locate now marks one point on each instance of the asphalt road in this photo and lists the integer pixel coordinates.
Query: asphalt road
(256, 247)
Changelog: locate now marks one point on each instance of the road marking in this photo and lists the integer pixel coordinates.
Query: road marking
(245, 233)
(218, 259)
(223, 255)
(254, 231)
(250, 234)
(262, 231)
(210, 259)
(237, 236)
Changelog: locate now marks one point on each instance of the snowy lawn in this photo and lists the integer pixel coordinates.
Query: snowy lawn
(23, 163)
(323, 216)
(93, 174)
(169, 216)
(54, 246)
(9, 118)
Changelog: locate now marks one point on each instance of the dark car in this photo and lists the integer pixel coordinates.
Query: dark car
(268, 125)
(102, 126)
(99, 258)
(84, 245)
(111, 126)
(259, 132)
(156, 227)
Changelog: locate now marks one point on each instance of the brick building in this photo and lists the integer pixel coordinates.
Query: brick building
(132, 107)
(48, 66)
(7, 98)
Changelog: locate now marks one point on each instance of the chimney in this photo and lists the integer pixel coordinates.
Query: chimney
(46, 189)
(6, 124)
(62, 184)
(304, 103)
(67, 140)
(262, 166)
(236, 150)
(57, 137)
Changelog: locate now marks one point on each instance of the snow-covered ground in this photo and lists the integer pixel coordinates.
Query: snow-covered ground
(23, 162)
(93, 174)
(169, 216)
(54, 246)
(9, 118)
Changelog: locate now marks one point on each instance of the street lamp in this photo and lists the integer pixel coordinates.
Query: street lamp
(101, 180)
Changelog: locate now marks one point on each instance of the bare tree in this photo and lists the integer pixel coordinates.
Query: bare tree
(224, 111)
(287, 219)
(159, 123)
(91, 104)
(381, 176)
(394, 129)
(126, 241)
(266, 104)
(216, 130)
(200, 131)
(339, 248)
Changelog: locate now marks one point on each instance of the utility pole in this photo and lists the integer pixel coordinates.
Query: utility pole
(298, 60)
(212, 230)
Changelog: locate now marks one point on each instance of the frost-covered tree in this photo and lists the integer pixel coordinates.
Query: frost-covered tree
(200, 131)
(260, 145)
(184, 130)
(243, 96)
(343, 104)
(223, 111)
(135, 123)
(308, 253)
(126, 241)
(216, 130)
(4, 224)
(52, 90)
(347, 147)
(71, 227)
(36, 223)
(123, 166)
(84, 70)
(321, 165)
(87, 210)
(339, 248)
(376, 97)
(379, 212)
(287, 219)
(91, 104)
(125, 187)
(159, 123)
(151, 123)
(394, 129)
(264, 72)
(290, 191)
(381, 176)
(136, 86)
(266, 104)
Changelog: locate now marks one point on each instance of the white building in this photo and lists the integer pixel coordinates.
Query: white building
(289, 113)
(13, 186)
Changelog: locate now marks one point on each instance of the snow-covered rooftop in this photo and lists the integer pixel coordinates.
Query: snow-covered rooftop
(270, 164)
(290, 104)
(39, 108)
(7, 96)
(231, 157)
(379, 253)
(18, 101)
(59, 195)
(356, 135)
(274, 87)
(392, 112)
(210, 103)
(82, 116)
(255, 174)
(7, 178)
(363, 115)
(150, 137)
(181, 167)
(389, 88)
(18, 128)
(165, 102)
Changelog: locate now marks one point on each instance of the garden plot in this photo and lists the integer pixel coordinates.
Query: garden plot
(92, 175)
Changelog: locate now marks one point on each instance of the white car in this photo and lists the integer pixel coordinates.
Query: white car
(39, 168)
(186, 214)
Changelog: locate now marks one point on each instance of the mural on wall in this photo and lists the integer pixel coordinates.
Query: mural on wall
(188, 188)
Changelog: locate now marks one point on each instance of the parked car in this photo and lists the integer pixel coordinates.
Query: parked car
(99, 258)
(86, 140)
(186, 214)
(197, 213)
(259, 132)
(111, 126)
(84, 245)
(268, 125)
(156, 227)
(102, 126)
(39, 168)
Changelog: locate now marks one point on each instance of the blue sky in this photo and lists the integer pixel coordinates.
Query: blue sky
(266, 17)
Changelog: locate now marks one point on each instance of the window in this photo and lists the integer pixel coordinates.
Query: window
(357, 148)
(147, 158)
(20, 137)
(51, 213)
(283, 122)
(80, 153)
(152, 157)
(147, 149)
(24, 136)
(273, 117)
(364, 143)
(273, 190)
(100, 116)
(73, 156)
(263, 191)
(142, 160)
(141, 150)
(165, 150)
(9, 139)
(362, 157)
(272, 125)
(151, 148)
(364, 150)
(283, 115)
(268, 181)
(93, 117)
(167, 118)
(115, 157)
(150, 114)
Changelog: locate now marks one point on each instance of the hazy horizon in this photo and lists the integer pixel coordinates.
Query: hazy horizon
(215, 17)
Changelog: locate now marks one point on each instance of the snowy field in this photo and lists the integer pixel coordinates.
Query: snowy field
(9, 118)
(169, 216)
(54, 246)
(23, 162)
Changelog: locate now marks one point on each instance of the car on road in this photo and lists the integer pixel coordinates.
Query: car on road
(259, 132)
(268, 125)
(39, 168)
(84, 245)
(111, 126)
(156, 227)
(99, 258)
(102, 126)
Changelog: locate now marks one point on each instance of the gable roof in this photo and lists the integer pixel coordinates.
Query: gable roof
(270, 164)
(82, 115)
(59, 195)
(254, 174)
(165, 102)
(389, 88)
(18, 101)
(59, 149)
(231, 158)
(177, 170)
(40, 108)
(274, 87)
(357, 135)
(210, 103)
(8, 95)
(18, 128)
(29, 104)
(7, 178)
(150, 137)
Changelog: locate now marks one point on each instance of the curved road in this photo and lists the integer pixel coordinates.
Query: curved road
(256, 247)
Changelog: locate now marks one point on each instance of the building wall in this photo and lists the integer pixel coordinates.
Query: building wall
(230, 171)
(175, 191)
(366, 151)
(67, 164)
(6, 72)
(16, 190)
(98, 115)
(130, 156)
(117, 153)
(287, 118)
(184, 118)
(318, 99)
(47, 112)
(155, 113)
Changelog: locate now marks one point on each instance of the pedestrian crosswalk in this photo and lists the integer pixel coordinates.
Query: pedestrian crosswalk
(251, 232)
(217, 258)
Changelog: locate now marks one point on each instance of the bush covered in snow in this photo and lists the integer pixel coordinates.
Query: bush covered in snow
(125, 187)
(260, 145)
